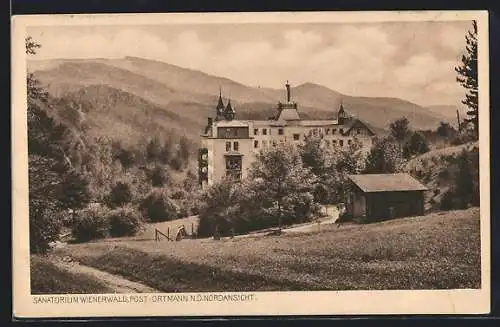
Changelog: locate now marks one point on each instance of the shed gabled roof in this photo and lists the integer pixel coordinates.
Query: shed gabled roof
(387, 182)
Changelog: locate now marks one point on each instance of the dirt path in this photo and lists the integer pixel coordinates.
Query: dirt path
(117, 283)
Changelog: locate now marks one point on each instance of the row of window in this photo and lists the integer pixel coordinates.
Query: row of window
(314, 132)
(264, 131)
(234, 146)
(274, 143)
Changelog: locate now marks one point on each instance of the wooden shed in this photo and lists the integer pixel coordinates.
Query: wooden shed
(383, 196)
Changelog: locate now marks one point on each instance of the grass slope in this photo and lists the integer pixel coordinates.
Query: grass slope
(434, 169)
(46, 278)
(438, 251)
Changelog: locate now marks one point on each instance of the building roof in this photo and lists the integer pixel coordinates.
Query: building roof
(312, 123)
(387, 182)
(289, 114)
(232, 123)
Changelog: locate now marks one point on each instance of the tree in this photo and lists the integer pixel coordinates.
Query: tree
(417, 144)
(45, 165)
(312, 155)
(121, 194)
(184, 148)
(400, 129)
(166, 151)
(385, 156)
(341, 164)
(445, 130)
(468, 77)
(157, 206)
(158, 177)
(44, 182)
(74, 191)
(153, 149)
(280, 175)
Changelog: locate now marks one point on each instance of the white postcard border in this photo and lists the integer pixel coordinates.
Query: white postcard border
(265, 303)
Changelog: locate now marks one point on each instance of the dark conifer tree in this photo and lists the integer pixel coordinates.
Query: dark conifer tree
(468, 77)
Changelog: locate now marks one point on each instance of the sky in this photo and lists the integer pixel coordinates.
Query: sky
(410, 60)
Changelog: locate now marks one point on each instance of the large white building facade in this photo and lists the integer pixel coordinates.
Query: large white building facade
(229, 145)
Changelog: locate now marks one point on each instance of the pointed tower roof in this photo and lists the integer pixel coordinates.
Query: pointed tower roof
(220, 104)
(229, 112)
(341, 109)
(229, 107)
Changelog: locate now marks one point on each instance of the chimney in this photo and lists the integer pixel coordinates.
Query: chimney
(210, 121)
(287, 92)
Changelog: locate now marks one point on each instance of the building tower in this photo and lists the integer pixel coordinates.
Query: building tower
(220, 107)
(229, 112)
(341, 114)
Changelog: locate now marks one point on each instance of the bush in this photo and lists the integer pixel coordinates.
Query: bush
(158, 176)
(44, 227)
(416, 144)
(121, 193)
(158, 207)
(464, 191)
(90, 224)
(124, 222)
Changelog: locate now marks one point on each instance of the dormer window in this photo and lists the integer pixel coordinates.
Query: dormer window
(280, 131)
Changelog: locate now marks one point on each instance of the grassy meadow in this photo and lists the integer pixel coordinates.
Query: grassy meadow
(47, 278)
(437, 251)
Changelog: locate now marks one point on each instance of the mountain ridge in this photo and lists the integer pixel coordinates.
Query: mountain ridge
(192, 94)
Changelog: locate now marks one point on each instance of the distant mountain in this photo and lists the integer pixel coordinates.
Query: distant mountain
(153, 95)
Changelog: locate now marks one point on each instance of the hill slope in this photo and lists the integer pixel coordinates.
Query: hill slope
(438, 251)
(437, 169)
(111, 112)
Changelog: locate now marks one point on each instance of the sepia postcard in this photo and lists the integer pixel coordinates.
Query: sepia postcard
(227, 164)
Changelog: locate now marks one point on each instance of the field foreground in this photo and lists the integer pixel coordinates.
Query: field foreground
(437, 251)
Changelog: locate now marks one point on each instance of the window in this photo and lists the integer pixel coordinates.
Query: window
(315, 132)
(228, 146)
(274, 143)
(233, 163)
(341, 142)
(236, 146)
(341, 131)
(255, 144)
(233, 167)
(280, 131)
(349, 142)
(334, 142)
(358, 131)
(264, 131)
(327, 131)
(256, 131)
(334, 130)
(296, 137)
(264, 143)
